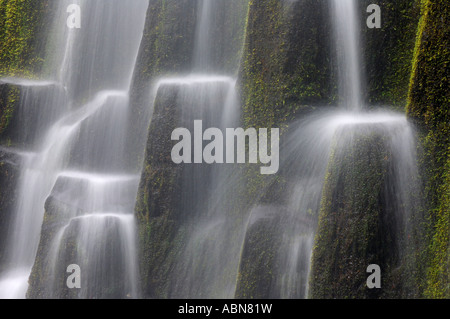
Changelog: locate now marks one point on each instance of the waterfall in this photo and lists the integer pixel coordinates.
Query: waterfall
(76, 168)
(312, 148)
(214, 232)
(207, 266)
(347, 35)
(201, 268)
(203, 43)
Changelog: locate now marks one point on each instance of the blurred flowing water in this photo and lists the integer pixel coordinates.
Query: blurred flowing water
(77, 155)
(347, 38)
(207, 267)
(74, 171)
(308, 147)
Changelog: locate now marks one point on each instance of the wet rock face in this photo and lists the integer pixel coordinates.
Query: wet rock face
(165, 187)
(24, 109)
(22, 25)
(42, 283)
(9, 164)
(22, 29)
(160, 180)
(9, 174)
(158, 204)
(359, 224)
(264, 270)
(428, 107)
(388, 70)
(286, 65)
(93, 242)
(257, 271)
(28, 106)
(9, 101)
(166, 48)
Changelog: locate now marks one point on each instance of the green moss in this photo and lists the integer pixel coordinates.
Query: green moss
(8, 188)
(438, 276)
(161, 241)
(286, 71)
(166, 49)
(21, 50)
(258, 266)
(9, 97)
(168, 39)
(388, 70)
(428, 107)
(286, 66)
(357, 227)
(158, 202)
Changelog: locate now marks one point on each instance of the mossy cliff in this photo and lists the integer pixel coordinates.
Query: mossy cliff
(388, 69)
(287, 69)
(166, 47)
(429, 108)
(63, 242)
(22, 23)
(286, 65)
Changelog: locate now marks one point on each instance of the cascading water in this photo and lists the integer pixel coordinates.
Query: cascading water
(200, 270)
(77, 194)
(307, 151)
(207, 266)
(216, 249)
(202, 55)
(78, 161)
(347, 37)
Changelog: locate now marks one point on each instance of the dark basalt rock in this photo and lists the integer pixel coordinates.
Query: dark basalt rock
(29, 107)
(358, 223)
(9, 175)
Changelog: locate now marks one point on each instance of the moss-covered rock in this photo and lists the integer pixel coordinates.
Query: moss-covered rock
(286, 63)
(429, 108)
(9, 102)
(225, 34)
(94, 242)
(28, 107)
(159, 188)
(358, 224)
(158, 204)
(9, 174)
(166, 49)
(388, 69)
(286, 71)
(258, 266)
(22, 26)
(288, 68)
(46, 279)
